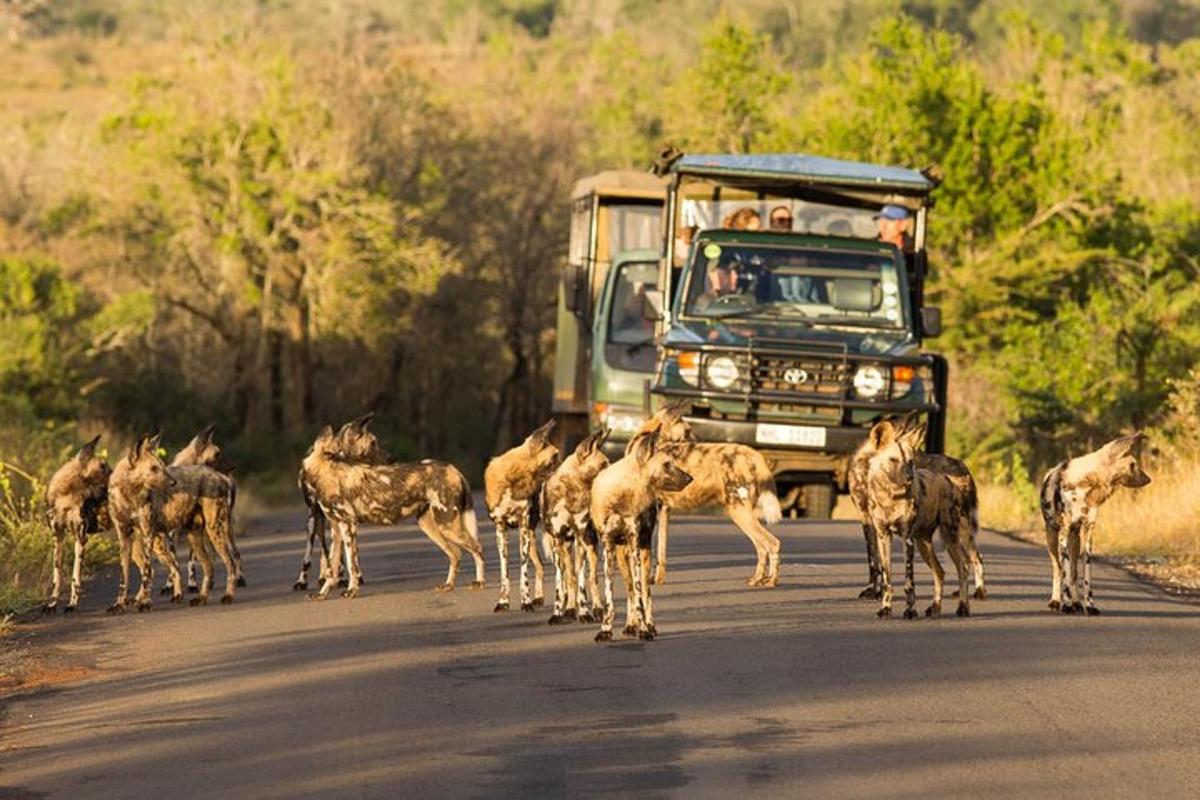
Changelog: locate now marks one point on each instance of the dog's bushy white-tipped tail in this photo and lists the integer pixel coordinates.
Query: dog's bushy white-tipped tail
(768, 506)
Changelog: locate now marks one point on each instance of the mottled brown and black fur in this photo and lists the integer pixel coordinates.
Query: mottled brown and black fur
(624, 497)
(194, 500)
(349, 493)
(914, 501)
(203, 451)
(355, 443)
(76, 506)
(1071, 495)
(732, 477)
(512, 484)
(859, 466)
(567, 516)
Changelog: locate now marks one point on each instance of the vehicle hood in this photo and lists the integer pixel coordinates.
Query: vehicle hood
(741, 332)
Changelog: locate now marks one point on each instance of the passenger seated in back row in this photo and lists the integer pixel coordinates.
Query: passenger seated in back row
(744, 219)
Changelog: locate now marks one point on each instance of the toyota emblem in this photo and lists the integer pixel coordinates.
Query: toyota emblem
(795, 376)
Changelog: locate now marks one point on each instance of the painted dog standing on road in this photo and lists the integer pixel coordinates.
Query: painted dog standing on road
(1071, 495)
(624, 498)
(915, 501)
(567, 515)
(512, 484)
(76, 505)
(194, 500)
(734, 477)
(202, 451)
(357, 444)
(349, 493)
(859, 467)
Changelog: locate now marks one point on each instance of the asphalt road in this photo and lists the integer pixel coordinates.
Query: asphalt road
(797, 691)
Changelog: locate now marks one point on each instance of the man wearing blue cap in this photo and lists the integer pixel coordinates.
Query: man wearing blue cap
(893, 226)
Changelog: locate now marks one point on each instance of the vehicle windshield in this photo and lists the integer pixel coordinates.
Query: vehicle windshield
(627, 319)
(807, 285)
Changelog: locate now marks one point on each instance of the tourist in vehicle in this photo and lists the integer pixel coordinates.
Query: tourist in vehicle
(780, 219)
(683, 243)
(721, 279)
(893, 226)
(744, 219)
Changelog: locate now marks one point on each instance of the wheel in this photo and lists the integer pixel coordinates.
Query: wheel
(818, 500)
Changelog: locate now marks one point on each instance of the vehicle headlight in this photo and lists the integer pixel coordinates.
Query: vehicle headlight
(721, 372)
(689, 368)
(869, 382)
(622, 422)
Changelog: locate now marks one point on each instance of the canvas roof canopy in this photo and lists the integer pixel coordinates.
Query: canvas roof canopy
(811, 177)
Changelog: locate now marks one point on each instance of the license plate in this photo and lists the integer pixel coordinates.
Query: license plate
(795, 435)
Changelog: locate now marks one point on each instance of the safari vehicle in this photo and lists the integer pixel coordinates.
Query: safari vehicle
(605, 356)
(794, 341)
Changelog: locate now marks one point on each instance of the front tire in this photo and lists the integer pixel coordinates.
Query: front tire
(818, 500)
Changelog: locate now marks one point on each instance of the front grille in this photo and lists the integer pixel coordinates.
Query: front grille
(800, 375)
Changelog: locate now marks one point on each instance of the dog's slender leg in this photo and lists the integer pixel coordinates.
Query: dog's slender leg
(742, 516)
(349, 531)
(625, 559)
(560, 602)
(333, 560)
(606, 616)
(872, 590)
(1054, 550)
(502, 550)
(191, 567)
(883, 546)
(939, 575)
(196, 541)
(460, 532)
(79, 537)
(959, 554)
(310, 528)
(910, 585)
(59, 552)
(648, 629)
(125, 547)
(1087, 532)
(664, 522)
(976, 562)
(539, 570)
(429, 526)
(160, 550)
(142, 551)
(591, 546)
(1076, 598)
(525, 543)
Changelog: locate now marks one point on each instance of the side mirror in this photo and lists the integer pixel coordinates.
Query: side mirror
(931, 322)
(573, 282)
(652, 300)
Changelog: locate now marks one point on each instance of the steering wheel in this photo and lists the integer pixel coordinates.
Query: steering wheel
(730, 299)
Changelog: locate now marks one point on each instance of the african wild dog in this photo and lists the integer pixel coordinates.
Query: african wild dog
(348, 493)
(1071, 495)
(196, 500)
(624, 496)
(75, 507)
(859, 495)
(126, 503)
(567, 515)
(734, 477)
(355, 443)
(913, 501)
(204, 452)
(512, 485)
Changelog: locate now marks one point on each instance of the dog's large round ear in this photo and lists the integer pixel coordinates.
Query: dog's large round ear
(601, 437)
(362, 422)
(882, 434)
(88, 450)
(154, 442)
(206, 435)
(643, 447)
(541, 436)
(915, 435)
